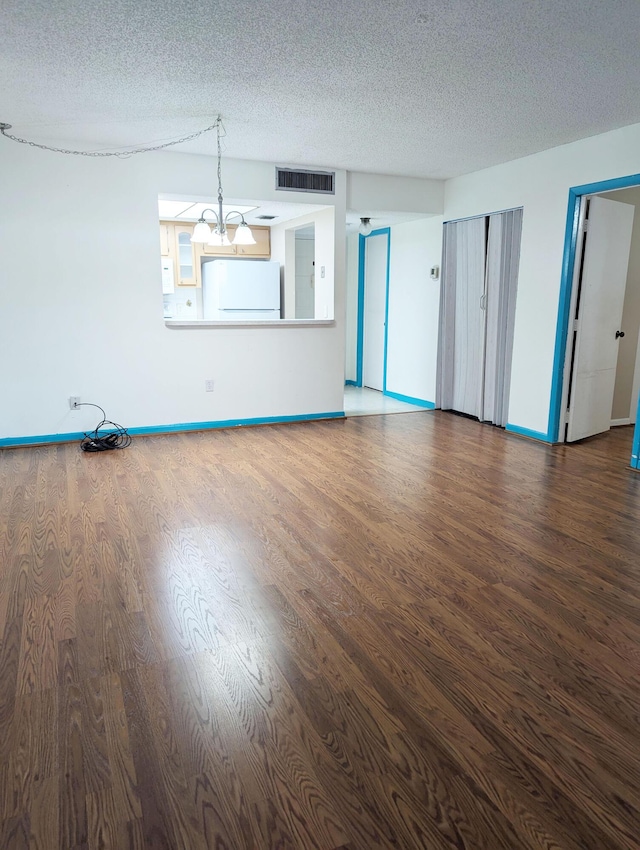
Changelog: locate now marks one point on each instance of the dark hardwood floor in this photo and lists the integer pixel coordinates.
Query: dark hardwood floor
(389, 632)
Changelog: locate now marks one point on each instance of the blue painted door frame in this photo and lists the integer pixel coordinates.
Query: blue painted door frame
(360, 338)
(635, 451)
(576, 193)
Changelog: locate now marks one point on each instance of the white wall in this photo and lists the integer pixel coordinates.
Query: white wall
(379, 193)
(325, 225)
(540, 184)
(350, 371)
(412, 342)
(82, 303)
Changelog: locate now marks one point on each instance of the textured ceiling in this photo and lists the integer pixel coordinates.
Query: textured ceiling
(434, 88)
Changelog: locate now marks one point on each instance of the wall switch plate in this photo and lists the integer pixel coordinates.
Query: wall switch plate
(74, 401)
(208, 386)
(321, 271)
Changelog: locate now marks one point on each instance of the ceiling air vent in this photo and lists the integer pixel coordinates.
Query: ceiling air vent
(266, 217)
(318, 182)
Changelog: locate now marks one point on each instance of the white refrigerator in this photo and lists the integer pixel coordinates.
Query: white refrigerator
(241, 290)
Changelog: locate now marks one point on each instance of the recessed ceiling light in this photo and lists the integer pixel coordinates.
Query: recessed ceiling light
(172, 209)
(195, 210)
(188, 210)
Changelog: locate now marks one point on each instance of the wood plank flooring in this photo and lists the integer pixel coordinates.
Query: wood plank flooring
(389, 632)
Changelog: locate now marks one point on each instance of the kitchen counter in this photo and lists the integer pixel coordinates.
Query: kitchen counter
(178, 324)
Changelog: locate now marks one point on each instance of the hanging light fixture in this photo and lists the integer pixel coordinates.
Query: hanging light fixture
(365, 226)
(219, 236)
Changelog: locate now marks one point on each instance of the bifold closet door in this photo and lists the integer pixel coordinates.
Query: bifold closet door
(479, 283)
(463, 322)
(503, 259)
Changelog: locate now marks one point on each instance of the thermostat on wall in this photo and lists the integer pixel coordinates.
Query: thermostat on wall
(435, 272)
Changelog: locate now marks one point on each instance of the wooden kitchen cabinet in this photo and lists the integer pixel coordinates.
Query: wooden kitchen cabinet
(262, 248)
(219, 250)
(166, 239)
(187, 260)
(186, 256)
(176, 244)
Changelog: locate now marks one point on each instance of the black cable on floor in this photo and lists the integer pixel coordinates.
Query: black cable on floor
(116, 437)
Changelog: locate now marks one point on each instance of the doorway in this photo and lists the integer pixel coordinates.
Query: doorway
(565, 370)
(362, 401)
(373, 310)
(370, 394)
(594, 341)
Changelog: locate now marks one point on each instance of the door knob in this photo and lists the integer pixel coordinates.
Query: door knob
(619, 334)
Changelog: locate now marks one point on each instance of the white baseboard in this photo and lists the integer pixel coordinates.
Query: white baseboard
(616, 422)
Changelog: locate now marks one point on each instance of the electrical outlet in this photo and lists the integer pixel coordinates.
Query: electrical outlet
(74, 401)
(208, 386)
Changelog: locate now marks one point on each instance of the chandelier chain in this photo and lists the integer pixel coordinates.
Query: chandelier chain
(219, 126)
(120, 154)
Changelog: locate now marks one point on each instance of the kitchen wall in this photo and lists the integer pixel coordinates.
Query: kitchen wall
(82, 308)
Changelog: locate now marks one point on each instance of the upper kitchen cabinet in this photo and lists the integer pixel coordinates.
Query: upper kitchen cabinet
(177, 248)
(219, 250)
(185, 256)
(262, 248)
(187, 259)
(166, 239)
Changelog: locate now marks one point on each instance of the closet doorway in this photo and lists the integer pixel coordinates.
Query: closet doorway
(478, 298)
(375, 300)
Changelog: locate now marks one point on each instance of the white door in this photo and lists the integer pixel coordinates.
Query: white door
(375, 305)
(604, 279)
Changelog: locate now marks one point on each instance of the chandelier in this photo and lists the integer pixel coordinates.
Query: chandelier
(219, 236)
